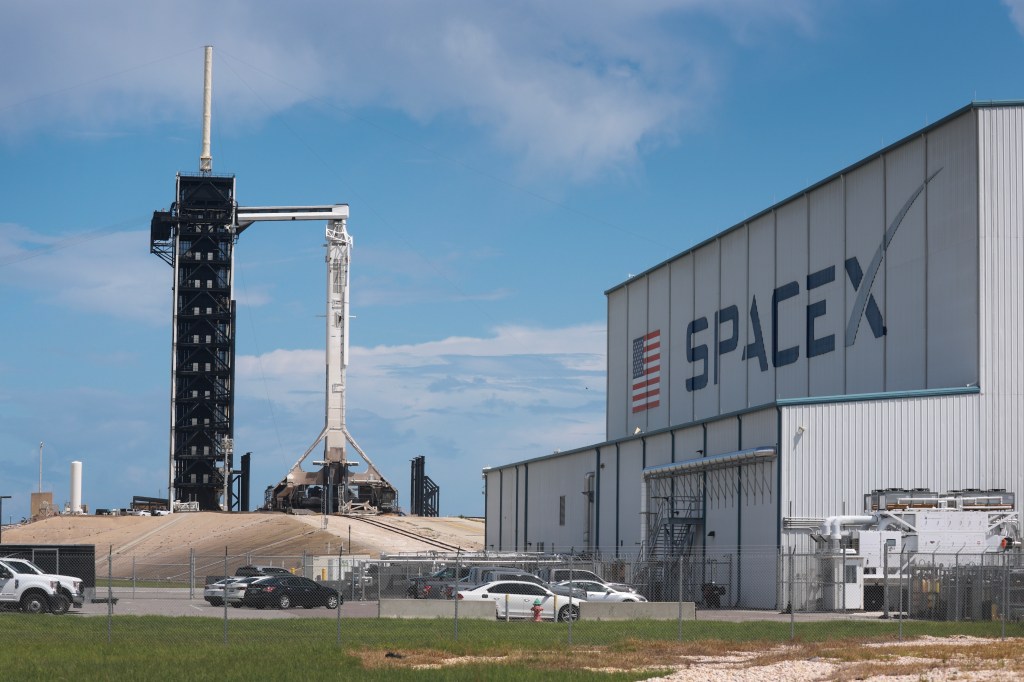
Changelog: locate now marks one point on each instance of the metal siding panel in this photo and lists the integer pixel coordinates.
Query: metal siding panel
(732, 373)
(549, 480)
(849, 449)
(761, 384)
(905, 270)
(688, 442)
(706, 302)
(680, 400)
(637, 326)
(659, 299)
(865, 230)
(618, 397)
(659, 449)
(1001, 243)
(723, 436)
(630, 480)
(491, 480)
(953, 255)
(606, 507)
(826, 372)
(791, 263)
(759, 428)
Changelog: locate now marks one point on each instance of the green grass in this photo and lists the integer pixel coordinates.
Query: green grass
(153, 647)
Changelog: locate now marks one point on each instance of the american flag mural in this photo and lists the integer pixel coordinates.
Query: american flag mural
(646, 371)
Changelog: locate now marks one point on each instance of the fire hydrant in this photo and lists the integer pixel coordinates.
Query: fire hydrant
(537, 609)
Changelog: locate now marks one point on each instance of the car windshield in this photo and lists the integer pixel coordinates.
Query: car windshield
(23, 566)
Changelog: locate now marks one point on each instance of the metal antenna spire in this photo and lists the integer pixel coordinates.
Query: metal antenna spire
(205, 160)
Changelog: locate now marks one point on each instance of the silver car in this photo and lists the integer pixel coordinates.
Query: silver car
(214, 592)
(235, 590)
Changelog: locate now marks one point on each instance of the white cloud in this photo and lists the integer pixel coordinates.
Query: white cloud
(526, 390)
(1016, 8)
(575, 87)
(100, 272)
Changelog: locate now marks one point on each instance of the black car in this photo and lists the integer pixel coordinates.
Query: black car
(249, 571)
(286, 591)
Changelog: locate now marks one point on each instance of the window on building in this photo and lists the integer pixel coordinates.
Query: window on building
(561, 510)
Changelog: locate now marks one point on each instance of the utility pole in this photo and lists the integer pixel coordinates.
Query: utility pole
(40, 466)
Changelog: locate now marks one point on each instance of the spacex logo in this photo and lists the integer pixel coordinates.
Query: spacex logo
(724, 327)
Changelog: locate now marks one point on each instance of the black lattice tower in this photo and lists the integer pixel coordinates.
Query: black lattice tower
(196, 238)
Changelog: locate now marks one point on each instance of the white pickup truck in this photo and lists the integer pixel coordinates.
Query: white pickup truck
(23, 585)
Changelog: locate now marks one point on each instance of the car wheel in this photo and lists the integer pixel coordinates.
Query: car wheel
(59, 605)
(33, 603)
(412, 592)
(236, 604)
(332, 602)
(284, 601)
(216, 602)
(567, 613)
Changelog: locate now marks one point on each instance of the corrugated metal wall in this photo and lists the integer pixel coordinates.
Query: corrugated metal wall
(1001, 217)
(831, 454)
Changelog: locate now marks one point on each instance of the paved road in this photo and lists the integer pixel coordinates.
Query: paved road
(181, 605)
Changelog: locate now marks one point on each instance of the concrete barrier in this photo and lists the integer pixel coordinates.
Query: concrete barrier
(657, 610)
(435, 608)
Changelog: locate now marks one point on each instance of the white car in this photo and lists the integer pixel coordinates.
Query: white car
(516, 599)
(214, 592)
(603, 592)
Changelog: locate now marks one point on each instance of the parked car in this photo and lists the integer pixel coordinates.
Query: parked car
(69, 587)
(252, 570)
(557, 575)
(596, 591)
(234, 590)
(437, 585)
(516, 599)
(286, 591)
(492, 574)
(214, 592)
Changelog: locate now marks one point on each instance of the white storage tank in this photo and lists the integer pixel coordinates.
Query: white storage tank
(76, 487)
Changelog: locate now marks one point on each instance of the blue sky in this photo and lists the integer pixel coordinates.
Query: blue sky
(505, 164)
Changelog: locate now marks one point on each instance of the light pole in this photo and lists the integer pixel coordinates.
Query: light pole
(40, 466)
(2, 498)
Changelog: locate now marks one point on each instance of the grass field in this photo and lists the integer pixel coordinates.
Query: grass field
(194, 648)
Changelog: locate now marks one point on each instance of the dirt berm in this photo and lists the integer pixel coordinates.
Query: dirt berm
(165, 541)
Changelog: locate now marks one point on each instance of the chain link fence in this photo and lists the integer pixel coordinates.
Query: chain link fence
(790, 595)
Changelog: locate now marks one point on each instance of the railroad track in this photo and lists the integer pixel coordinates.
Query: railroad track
(407, 533)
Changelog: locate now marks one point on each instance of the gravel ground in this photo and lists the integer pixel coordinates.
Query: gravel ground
(739, 667)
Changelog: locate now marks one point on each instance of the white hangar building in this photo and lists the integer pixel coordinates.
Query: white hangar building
(865, 333)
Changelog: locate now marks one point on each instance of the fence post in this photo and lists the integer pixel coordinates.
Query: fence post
(380, 578)
(679, 596)
(225, 600)
(133, 576)
(571, 588)
(792, 599)
(110, 590)
(902, 549)
(885, 583)
(956, 577)
(455, 592)
(192, 573)
(338, 636)
(1006, 593)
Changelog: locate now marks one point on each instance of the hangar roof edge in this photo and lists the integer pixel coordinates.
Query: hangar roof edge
(973, 106)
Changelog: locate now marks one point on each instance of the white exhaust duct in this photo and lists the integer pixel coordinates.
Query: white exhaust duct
(76, 487)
